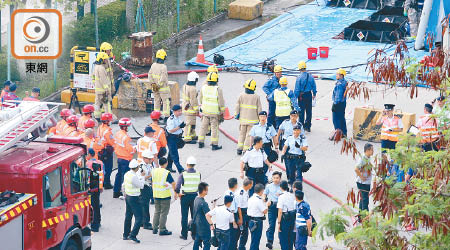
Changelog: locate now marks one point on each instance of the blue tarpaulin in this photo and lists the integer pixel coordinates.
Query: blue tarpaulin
(287, 37)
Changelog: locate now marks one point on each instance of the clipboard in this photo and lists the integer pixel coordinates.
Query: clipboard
(413, 130)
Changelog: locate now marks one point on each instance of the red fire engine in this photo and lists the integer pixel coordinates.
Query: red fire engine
(53, 210)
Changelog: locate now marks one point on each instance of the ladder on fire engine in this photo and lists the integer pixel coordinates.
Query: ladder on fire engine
(31, 116)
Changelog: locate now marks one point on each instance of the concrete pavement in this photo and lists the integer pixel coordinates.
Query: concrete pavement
(331, 170)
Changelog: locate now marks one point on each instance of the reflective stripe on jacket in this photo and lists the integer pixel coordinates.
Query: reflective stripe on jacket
(387, 125)
(128, 184)
(100, 173)
(210, 102)
(248, 107)
(283, 102)
(428, 129)
(191, 181)
(159, 178)
(122, 146)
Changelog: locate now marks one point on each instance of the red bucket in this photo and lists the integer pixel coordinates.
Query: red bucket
(324, 52)
(312, 53)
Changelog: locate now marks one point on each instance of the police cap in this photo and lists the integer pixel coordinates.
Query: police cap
(263, 113)
(176, 107)
(389, 106)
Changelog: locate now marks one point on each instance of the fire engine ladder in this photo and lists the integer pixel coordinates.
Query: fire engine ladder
(36, 114)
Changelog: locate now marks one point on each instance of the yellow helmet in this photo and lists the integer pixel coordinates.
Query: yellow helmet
(161, 54)
(102, 56)
(283, 80)
(213, 68)
(302, 65)
(341, 71)
(277, 69)
(250, 84)
(212, 77)
(105, 46)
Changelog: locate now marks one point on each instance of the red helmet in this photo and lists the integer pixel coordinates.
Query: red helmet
(65, 113)
(89, 123)
(72, 120)
(88, 108)
(155, 115)
(124, 122)
(106, 117)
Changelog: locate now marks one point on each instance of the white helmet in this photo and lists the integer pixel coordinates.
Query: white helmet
(192, 76)
(133, 164)
(191, 160)
(147, 154)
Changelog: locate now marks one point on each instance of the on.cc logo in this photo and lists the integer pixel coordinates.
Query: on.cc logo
(36, 29)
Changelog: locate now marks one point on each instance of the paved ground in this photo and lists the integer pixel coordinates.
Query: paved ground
(330, 170)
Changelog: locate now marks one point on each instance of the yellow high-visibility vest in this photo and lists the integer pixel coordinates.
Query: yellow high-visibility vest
(210, 100)
(159, 179)
(128, 183)
(282, 102)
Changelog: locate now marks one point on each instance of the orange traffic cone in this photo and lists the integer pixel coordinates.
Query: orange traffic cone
(227, 115)
(201, 53)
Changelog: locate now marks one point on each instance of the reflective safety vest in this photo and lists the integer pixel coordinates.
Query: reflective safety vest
(60, 127)
(128, 184)
(30, 99)
(142, 145)
(105, 136)
(81, 121)
(191, 181)
(428, 129)
(210, 100)
(71, 131)
(390, 124)
(122, 145)
(283, 102)
(159, 178)
(100, 173)
(300, 221)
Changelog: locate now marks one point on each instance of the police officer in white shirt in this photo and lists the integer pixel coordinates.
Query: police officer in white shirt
(294, 154)
(146, 193)
(253, 163)
(233, 208)
(174, 133)
(241, 197)
(286, 217)
(256, 211)
(223, 218)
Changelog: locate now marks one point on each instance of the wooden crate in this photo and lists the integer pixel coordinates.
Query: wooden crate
(245, 9)
(364, 123)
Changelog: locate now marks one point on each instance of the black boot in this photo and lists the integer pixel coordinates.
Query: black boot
(201, 145)
(216, 147)
(239, 151)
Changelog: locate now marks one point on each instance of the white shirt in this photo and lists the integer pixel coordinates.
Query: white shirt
(233, 207)
(365, 167)
(223, 217)
(286, 202)
(241, 197)
(152, 145)
(172, 123)
(256, 206)
(147, 169)
(254, 158)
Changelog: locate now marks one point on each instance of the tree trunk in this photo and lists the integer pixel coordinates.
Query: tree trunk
(130, 12)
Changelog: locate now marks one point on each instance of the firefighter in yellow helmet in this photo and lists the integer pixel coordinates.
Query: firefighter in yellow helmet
(107, 48)
(285, 101)
(102, 85)
(159, 83)
(248, 107)
(269, 87)
(212, 107)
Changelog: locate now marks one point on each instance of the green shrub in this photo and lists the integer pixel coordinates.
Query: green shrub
(111, 25)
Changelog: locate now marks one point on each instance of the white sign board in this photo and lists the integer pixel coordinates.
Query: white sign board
(83, 64)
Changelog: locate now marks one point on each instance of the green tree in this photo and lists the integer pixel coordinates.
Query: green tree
(423, 201)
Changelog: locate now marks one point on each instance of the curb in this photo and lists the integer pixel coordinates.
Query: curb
(318, 188)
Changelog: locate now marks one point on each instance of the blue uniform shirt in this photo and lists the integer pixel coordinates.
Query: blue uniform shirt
(262, 131)
(271, 85)
(288, 128)
(301, 140)
(172, 123)
(302, 86)
(339, 91)
(272, 192)
(303, 214)
(290, 95)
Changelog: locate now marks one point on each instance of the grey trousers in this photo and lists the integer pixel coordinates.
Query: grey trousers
(161, 211)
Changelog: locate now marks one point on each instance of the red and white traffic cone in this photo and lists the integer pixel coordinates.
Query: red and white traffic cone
(201, 53)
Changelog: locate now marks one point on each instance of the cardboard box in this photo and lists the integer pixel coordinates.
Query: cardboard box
(245, 9)
(364, 123)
